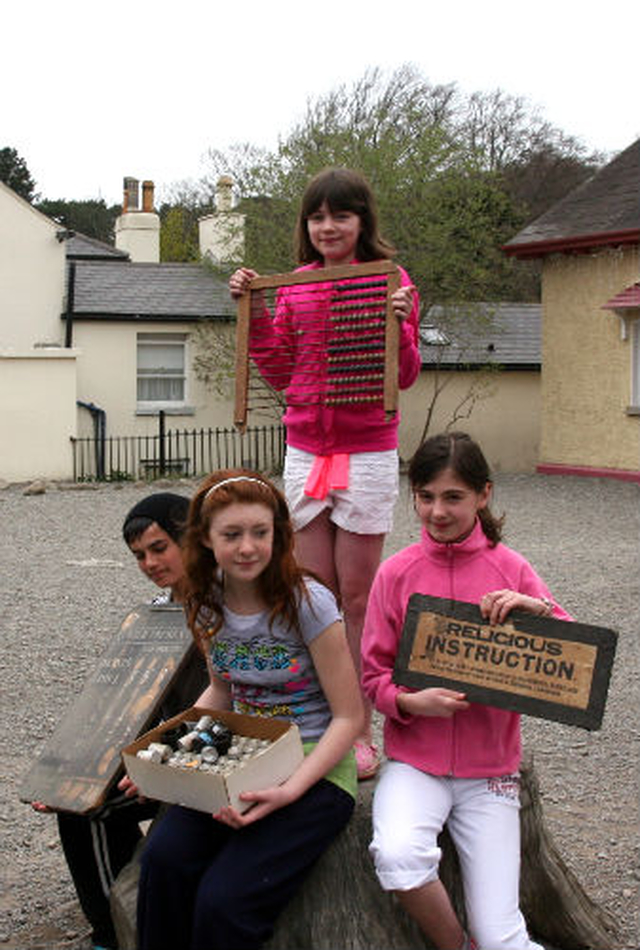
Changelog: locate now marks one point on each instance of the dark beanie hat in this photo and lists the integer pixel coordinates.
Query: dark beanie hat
(165, 508)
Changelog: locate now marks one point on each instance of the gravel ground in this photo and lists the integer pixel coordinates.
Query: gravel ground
(67, 581)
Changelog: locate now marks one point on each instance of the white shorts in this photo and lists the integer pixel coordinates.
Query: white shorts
(409, 810)
(365, 507)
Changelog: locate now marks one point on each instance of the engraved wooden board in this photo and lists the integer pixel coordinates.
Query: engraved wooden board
(131, 679)
(549, 668)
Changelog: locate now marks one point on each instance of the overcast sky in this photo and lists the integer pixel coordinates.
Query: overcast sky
(92, 92)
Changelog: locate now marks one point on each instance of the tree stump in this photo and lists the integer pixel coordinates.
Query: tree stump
(342, 907)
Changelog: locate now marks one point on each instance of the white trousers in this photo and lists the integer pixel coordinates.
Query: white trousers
(410, 809)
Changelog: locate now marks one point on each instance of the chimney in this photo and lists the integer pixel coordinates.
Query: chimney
(224, 193)
(147, 196)
(221, 234)
(138, 230)
(130, 198)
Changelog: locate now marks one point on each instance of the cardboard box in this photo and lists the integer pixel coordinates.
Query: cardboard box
(206, 791)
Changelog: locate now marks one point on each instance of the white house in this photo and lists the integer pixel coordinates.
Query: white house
(91, 333)
(37, 373)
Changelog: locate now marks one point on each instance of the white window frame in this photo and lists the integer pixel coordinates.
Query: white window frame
(180, 340)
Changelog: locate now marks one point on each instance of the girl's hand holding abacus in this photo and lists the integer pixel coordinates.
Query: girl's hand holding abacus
(434, 701)
(240, 280)
(498, 604)
(402, 302)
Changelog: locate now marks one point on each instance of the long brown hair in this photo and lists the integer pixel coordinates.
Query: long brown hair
(343, 190)
(457, 451)
(281, 584)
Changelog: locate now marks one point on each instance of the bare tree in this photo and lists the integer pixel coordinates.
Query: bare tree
(448, 336)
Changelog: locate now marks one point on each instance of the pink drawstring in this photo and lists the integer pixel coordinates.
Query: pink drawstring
(328, 472)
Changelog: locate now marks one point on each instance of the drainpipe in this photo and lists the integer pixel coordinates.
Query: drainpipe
(71, 291)
(161, 437)
(99, 417)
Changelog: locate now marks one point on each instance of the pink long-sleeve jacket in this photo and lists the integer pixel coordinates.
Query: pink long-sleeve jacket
(290, 350)
(481, 741)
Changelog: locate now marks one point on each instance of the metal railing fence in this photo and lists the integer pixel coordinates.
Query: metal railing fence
(177, 452)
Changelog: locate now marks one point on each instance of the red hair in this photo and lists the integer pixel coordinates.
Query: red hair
(281, 583)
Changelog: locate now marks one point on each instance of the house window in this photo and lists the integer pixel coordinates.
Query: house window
(161, 370)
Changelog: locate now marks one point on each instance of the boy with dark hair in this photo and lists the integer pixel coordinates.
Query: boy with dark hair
(97, 846)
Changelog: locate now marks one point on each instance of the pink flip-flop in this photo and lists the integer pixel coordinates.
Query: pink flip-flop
(367, 760)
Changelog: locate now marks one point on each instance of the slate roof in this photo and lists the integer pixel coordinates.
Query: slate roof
(503, 334)
(82, 247)
(604, 210)
(133, 291)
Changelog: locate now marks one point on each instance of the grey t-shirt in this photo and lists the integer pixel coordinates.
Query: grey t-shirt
(270, 668)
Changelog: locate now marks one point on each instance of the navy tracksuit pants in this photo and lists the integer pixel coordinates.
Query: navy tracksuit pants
(205, 886)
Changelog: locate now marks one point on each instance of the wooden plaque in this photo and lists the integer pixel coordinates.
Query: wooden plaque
(540, 666)
(131, 679)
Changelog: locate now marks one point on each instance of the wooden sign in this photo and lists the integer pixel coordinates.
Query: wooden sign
(540, 666)
(130, 682)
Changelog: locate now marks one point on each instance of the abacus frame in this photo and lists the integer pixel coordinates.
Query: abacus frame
(319, 275)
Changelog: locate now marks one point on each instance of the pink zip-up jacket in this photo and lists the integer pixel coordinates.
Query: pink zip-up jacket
(481, 741)
(290, 352)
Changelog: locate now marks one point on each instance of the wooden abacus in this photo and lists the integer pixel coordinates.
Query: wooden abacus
(349, 354)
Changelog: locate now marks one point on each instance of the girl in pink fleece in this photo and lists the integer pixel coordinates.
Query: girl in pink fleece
(341, 467)
(450, 760)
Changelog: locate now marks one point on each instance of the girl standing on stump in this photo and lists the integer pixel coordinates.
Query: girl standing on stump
(275, 646)
(341, 467)
(450, 761)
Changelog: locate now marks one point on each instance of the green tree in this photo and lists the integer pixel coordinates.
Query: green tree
(91, 217)
(15, 174)
(454, 176)
(534, 163)
(178, 235)
(185, 202)
(395, 133)
(470, 217)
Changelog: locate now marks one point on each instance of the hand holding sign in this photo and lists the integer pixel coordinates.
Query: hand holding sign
(433, 701)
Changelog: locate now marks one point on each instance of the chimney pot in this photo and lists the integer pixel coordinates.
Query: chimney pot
(224, 193)
(130, 200)
(221, 234)
(147, 196)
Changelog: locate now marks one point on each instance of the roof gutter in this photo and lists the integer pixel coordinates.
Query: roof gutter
(150, 317)
(581, 243)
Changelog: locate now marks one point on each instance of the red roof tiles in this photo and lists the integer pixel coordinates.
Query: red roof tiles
(628, 299)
